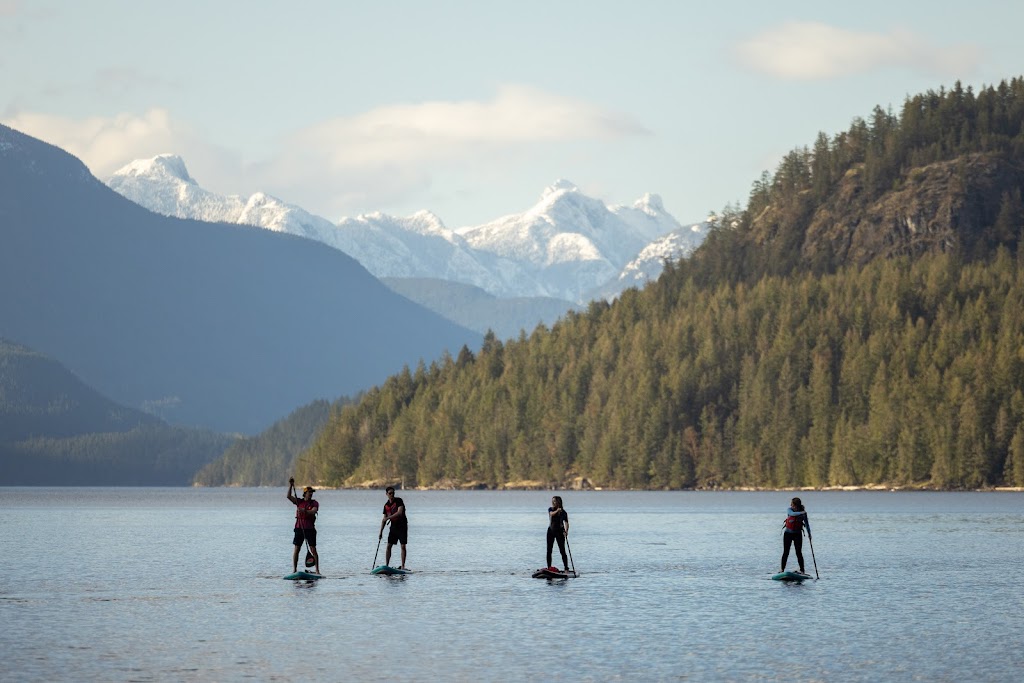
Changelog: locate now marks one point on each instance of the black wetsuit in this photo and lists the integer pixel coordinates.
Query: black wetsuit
(796, 522)
(556, 532)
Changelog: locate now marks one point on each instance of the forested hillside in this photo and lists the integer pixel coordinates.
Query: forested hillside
(39, 396)
(57, 431)
(269, 457)
(945, 174)
(206, 324)
(861, 321)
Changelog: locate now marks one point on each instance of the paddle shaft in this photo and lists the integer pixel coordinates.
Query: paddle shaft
(380, 537)
(811, 542)
(572, 564)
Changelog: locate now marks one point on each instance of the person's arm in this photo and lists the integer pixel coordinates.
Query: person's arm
(807, 524)
(565, 522)
(398, 513)
(383, 522)
(291, 491)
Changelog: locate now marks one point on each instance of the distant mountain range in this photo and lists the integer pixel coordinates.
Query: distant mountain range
(39, 396)
(203, 324)
(56, 430)
(568, 246)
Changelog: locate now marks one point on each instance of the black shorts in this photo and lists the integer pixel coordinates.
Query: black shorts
(303, 535)
(398, 534)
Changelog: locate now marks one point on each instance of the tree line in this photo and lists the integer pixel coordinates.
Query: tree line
(267, 458)
(901, 373)
(148, 455)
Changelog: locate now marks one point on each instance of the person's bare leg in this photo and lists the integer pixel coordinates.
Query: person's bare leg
(295, 558)
(387, 555)
(403, 556)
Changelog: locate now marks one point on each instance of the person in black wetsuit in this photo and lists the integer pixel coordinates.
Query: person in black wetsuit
(792, 534)
(558, 530)
(394, 512)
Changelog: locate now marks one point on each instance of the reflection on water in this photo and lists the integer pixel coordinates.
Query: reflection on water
(185, 584)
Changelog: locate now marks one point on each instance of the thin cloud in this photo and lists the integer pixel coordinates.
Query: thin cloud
(105, 144)
(395, 151)
(432, 130)
(388, 155)
(812, 50)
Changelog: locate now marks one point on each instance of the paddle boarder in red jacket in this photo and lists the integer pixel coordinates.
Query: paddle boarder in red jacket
(394, 513)
(305, 523)
(792, 534)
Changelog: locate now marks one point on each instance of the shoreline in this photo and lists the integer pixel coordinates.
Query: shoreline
(584, 485)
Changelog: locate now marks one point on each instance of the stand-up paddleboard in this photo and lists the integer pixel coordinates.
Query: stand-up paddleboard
(552, 573)
(791, 576)
(304, 576)
(386, 570)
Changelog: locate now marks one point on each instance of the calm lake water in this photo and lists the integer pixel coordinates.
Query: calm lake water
(185, 585)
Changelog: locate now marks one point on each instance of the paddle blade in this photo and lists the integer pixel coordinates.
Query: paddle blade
(310, 561)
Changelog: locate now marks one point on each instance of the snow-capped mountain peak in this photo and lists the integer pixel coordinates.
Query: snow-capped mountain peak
(170, 166)
(671, 246)
(560, 185)
(568, 245)
(650, 204)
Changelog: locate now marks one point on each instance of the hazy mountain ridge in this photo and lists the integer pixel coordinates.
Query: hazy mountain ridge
(220, 325)
(54, 429)
(567, 246)
(474, 308)
(39, 396)
(267, 458)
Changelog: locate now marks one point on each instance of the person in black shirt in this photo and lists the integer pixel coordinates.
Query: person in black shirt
(394, 512)
(558, 530)
(306, 510)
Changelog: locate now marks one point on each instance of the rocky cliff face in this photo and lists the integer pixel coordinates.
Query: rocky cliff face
(945, 206)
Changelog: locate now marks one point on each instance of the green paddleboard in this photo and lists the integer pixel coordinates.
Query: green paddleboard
(386, 570)
(303, 576)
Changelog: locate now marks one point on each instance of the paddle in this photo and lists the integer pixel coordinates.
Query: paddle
(379, 539)
(572, 564)
(811, 542)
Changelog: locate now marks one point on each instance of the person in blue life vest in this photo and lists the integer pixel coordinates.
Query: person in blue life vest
(558, 530)
(305, 523)
(394, 512)
(792, 528)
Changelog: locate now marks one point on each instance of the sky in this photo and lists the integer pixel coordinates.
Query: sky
(470, 109)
